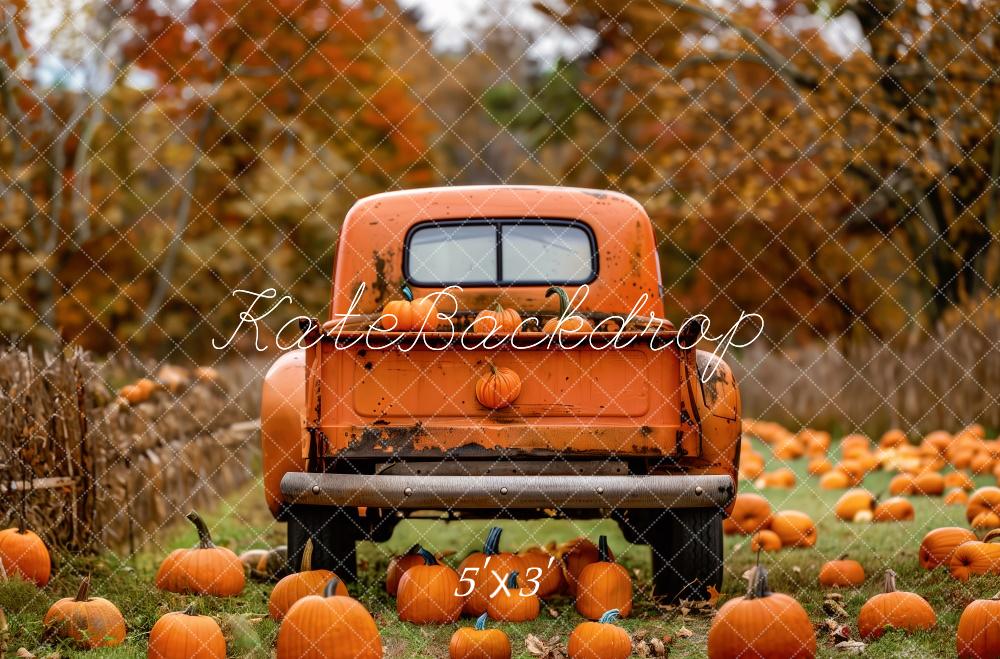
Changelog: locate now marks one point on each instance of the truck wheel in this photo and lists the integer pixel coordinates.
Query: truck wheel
(334, 534)
(687, 553)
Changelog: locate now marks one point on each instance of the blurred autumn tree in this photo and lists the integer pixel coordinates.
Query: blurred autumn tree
(854, 187)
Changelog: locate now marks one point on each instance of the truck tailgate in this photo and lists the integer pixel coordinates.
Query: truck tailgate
(386, 401)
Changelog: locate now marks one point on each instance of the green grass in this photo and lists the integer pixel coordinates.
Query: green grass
(243, 522)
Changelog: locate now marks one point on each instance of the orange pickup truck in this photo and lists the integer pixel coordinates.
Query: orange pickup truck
(360, 432)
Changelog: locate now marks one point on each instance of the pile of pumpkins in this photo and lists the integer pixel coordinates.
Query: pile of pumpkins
(751, 515)
(169, 377)
(318, 618)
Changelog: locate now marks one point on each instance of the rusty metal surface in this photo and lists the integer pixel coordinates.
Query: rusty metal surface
(489, 491)
(495, 467)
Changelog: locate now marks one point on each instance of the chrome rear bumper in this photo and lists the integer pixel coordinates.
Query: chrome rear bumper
(492, 491)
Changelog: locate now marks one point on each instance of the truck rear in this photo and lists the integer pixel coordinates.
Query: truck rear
(365, 428)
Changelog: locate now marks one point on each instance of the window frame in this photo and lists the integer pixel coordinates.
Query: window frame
(497, 223)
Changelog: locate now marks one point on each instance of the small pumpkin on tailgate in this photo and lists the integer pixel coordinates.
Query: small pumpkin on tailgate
(497, 320)
(303, 583)
(186, 635)
(511, 602)
(204, 570)
(328, 626)
(409, 314)
(600, 640)
(565, 323)
(499, 388)
(428, 593)
(603, 586)
(478, 642)
(90, 622)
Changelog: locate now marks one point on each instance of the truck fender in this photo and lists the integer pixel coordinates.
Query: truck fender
(283, 423)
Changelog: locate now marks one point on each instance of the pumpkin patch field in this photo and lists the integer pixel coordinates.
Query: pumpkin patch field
(832, 576)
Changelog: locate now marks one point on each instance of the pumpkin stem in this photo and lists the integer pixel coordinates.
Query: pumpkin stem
(331, 587)
(415, 549)
(995, 533)
(602, 549)
(563, 299)
(404, 289)
(512, 579)
(81, 594)
(427, 556)
(497, 307)
(493, 368)
(204, 537)
(890, 582)
(305, 565)
(191, 609)
(492, 546)
(481, 622)
(609, 616)
(758, 584)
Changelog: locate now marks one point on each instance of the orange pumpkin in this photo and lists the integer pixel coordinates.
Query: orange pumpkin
(892, 439)
(978, 633)
(294, 587)
(600, 640)
(956, 497)
(603, 586)
(765, 540)
(497, 320)
(186, 635)
(819, 466)
(983, 511)
(563, 322)
(512, 603)
(901, 484)
(487, 569)
(841, 572)
(794, 528)
(90, 622)
(929, 483)
(498, 388)
(409, 314)
(429, 593)
(896, 609)
(853, 502)
(959, 479)
(938, 545)
(24, 554)
(751, 465)
(576, 555)
(761, 624)
(751, 512)
(895, 509)
(544, 568)
(400, 564)
(204, 570)
(779, 478)
(328, 626)
(478, 642)
(836, 479)
(976, 557)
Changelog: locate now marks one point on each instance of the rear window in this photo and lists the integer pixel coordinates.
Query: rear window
(490, 252)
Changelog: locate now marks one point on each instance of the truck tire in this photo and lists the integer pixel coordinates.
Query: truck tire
(334, 533)
(687, 553)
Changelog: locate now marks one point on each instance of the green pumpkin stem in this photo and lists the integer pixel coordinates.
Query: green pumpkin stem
(497, 307)
(563, 299)
(81, 594)
(481, 622)
(305, 565)
(512, 579)
(404, 289)
(191, 609)
(427, 556)
(204, 537)
(609, 617)
(602, 549)
(758, 584)
(890, 582)
(492, 546)
(331, 587)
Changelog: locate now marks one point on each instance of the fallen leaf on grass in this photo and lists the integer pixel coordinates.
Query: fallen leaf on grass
(553, 612)
(851, 647)
(550, 649)
(24, 653)
(684, 632)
